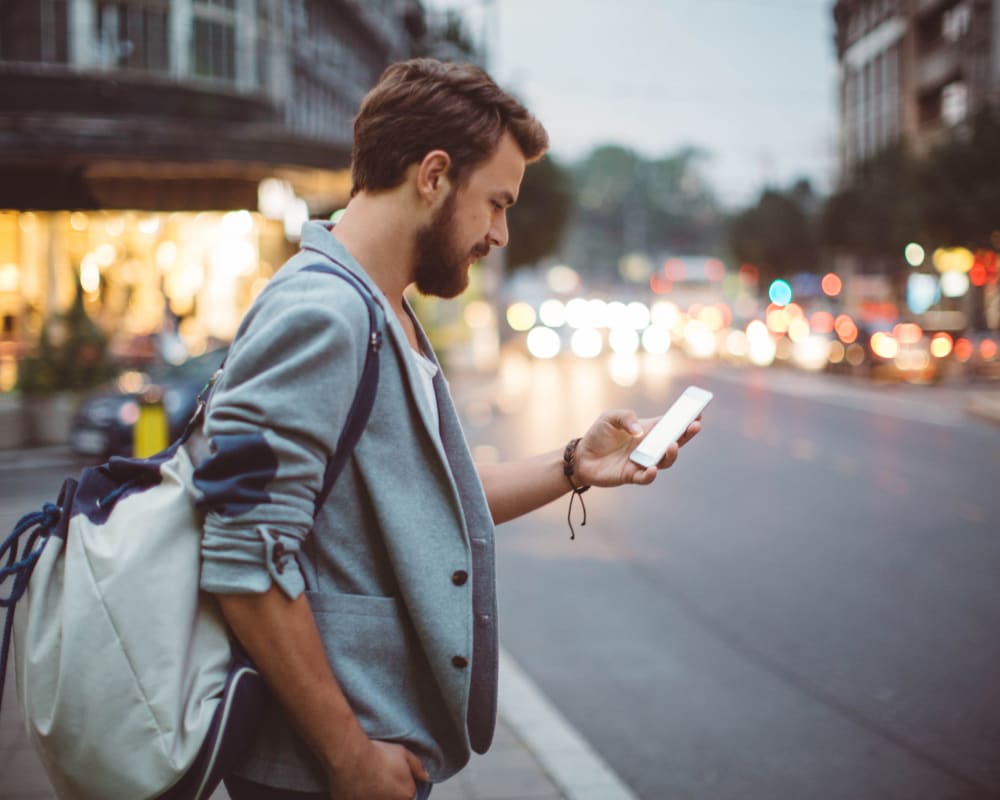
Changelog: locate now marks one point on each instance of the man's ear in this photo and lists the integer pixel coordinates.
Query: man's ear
(432, 177)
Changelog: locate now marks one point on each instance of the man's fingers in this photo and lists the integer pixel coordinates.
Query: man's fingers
(690, 433)
(670, 456)
(416, 767)
(626, 420)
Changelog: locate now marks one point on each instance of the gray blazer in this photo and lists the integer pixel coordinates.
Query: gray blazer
(399, 566)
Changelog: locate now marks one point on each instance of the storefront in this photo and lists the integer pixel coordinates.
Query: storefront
(159, 284)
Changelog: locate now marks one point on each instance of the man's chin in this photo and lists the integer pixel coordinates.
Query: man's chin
(446, 291)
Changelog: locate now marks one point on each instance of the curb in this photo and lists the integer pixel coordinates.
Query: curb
(572, 764)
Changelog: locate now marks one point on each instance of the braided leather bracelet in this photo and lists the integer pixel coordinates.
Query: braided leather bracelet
(568, 455)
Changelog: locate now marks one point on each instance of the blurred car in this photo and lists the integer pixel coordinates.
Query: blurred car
(103, 423)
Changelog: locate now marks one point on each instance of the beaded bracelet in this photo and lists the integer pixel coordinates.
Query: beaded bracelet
(568, 455)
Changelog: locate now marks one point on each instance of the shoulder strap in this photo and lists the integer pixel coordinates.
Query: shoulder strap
(364, 397)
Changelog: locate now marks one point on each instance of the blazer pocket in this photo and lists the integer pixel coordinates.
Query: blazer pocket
(371, 650)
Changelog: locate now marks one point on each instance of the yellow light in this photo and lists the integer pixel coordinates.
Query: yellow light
(778, 320)
(78, 221)
(908, 333)
(520, 316)
(9, 278)
(90, 276)
(711, 317)
(837, 352)
(855, 355)
(798, 330)
(941, 345)
(953, 259)
(884, 346)
(479, 314)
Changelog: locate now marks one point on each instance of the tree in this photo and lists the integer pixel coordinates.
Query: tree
(629, 204)
(961, 177)
(879, 211)
(778, 234)
(537, 222)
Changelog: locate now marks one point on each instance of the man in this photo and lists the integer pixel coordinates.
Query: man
(374, 624)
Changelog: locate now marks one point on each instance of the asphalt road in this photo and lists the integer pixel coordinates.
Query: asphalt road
(806, 606)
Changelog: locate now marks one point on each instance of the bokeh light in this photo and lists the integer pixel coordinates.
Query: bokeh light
(780, 292)
(941, 345)
(520, 316)
(656, 339)
(914, 254)
(587, 343)
(831, 285)
(552, 312)
(543, 343)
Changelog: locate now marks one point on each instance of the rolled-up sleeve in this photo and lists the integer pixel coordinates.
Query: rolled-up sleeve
(272, 426)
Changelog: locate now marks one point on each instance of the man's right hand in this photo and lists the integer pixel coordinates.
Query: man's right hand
(378, 771)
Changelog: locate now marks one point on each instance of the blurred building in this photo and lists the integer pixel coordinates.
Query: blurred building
(156, 155)
(912, 70)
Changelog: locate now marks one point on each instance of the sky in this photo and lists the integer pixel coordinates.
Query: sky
(752, 82)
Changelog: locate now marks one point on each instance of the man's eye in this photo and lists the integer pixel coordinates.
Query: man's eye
(497, 206)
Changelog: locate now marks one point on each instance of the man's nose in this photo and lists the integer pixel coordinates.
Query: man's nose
(498, 235)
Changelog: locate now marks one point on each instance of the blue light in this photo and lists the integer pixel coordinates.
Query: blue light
(780, 293)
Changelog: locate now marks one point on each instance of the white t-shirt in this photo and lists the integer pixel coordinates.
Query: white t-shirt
(427, 369)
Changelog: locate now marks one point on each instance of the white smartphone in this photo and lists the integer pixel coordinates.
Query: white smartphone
(671, 426)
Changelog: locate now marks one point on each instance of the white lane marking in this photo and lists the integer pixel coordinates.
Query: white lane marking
(575, 767)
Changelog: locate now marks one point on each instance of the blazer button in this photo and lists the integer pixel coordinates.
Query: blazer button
(459, 577)
(459, 662)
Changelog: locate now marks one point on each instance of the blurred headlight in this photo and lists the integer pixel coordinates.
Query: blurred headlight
(543, 343)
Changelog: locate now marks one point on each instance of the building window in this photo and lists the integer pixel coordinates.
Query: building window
(214, 40)
(33, 31)
(954, 103)
(955, 22)
(134, 34)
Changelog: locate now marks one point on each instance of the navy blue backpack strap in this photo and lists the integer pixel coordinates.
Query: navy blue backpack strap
(364, 397)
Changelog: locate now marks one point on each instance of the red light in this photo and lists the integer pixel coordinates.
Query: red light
(715, 270)
(988, 349)
(831, 284)
(660, 284)
(749, 275)
(674, 269)
(821, 321)
(977, 275)
(963, 350)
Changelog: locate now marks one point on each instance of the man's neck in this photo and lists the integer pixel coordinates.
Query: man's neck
(377, 234)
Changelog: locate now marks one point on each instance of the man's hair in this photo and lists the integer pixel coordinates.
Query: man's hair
(423, 105)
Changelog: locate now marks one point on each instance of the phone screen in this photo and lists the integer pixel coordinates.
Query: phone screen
(670, 428)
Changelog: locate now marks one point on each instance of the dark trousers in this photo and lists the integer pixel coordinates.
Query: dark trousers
(242, 789)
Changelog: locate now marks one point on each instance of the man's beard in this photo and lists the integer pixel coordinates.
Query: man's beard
(441, 268)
